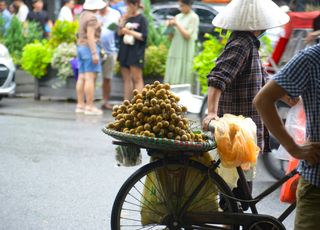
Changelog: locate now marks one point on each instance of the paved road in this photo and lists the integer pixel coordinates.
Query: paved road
(57, 170)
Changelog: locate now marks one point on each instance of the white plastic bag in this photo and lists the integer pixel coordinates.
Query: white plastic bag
(296, 127)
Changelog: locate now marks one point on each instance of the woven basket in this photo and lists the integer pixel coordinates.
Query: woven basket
(161, 143)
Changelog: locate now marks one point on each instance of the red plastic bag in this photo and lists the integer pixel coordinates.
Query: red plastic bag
(295, 125)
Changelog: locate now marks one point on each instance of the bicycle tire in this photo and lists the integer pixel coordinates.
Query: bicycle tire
(120, 218)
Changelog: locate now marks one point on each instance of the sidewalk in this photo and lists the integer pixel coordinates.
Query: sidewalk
(47, 109)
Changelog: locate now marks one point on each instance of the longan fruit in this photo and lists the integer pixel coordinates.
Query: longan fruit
(170, 135)
(180, 124)
(126, 102)
(139, 106)
(147, 86)
(159, 125)
(178, 138)
(155, 129)
(138, 101)
(147, 127)
(166, 86)
(156, 83)
(144, 92)
(140, 115)
(132, 131)
(182, 132)
(177, 130)
(153, 118)
(177, 98)
(178, 109)
(139, 129)
(184, 138)
(159, 118)
(135, 92)
(173, 116)
(184, 109)
(111, 126)
(128, 123)
(171, 127)
(154, 101)
(165, 124)
(114, 114)
(115, 108)
(145, 109)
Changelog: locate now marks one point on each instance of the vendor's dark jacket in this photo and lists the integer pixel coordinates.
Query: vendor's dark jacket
(240, 75)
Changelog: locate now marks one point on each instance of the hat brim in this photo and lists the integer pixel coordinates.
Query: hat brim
(96, 6)
(250, 15)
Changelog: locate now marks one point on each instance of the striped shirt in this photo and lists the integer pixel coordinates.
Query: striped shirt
(239, 75)
(301, 77)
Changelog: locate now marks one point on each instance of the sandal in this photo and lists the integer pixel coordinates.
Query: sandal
(93, 111)
(79, 109)
(106, 107)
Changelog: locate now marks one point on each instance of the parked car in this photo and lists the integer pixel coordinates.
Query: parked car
(164, 11)
(7, 73)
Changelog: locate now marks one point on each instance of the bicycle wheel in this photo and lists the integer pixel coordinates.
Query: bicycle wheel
(160, 194)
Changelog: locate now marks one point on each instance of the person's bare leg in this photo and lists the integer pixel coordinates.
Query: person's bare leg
(89, 87)
(106, 89)
(137, 78)
(80, 91)
(127, 83)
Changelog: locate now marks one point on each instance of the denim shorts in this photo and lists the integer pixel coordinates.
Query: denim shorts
(85, 60)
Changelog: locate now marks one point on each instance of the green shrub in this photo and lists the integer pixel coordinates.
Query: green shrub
(63, 32)
(205, 60)
(18, 35)
(155, 61)
(36, 58)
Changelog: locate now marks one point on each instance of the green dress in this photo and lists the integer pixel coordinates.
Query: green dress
(181, 52)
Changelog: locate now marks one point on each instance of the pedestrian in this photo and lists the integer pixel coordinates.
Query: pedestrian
(133, 41)
(88, 56)
(65, 13)
(299, 77)
(238, 74)
(40, 16)
(109, 19)
(314, 35)
(13, 9)
(118, 5)
(23, 10)
(182, 48)
(5, 14)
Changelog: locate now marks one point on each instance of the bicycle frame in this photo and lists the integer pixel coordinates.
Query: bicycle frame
(233, 218)
(246, 219)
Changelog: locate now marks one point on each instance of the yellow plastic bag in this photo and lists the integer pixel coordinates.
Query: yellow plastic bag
(157, 200)
(236, 141)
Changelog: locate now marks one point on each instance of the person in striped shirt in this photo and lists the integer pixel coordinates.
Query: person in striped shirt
(299, 77)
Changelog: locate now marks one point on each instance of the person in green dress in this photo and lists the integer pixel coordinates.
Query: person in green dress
(184, 33)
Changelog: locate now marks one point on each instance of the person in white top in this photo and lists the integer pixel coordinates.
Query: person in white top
(66, 11)
(109, 19)
(23, 10)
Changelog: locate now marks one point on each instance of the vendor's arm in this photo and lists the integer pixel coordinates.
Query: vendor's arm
(213, 103)
(293, 80)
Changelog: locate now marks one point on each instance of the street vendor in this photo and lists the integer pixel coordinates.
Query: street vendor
(238, 74)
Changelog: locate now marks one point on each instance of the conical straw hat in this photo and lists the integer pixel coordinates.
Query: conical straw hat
(246, 15)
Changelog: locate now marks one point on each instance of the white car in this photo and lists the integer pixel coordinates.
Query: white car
(7, 73)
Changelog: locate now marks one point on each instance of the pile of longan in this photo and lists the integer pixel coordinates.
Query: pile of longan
(154, 112)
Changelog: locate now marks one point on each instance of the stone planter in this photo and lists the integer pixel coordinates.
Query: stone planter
(53, 87)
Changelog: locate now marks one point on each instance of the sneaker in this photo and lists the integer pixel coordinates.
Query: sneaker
(79, 110)
(93, 111)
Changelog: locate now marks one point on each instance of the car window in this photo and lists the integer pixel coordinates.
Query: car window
(205, 16)
(173, 12)
(161, 13)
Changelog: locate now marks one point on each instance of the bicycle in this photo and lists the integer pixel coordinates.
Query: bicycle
(275, 165)
(181, 187)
